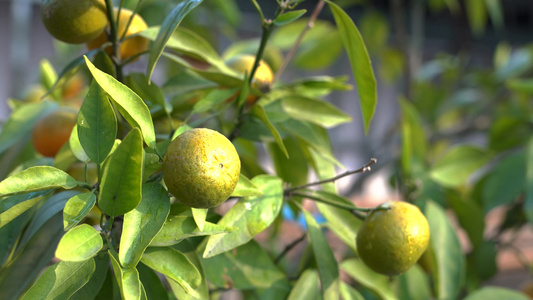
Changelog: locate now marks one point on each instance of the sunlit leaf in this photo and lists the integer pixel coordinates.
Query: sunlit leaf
(378, 283)
(128, 279)
(77, 208)
(245, 187)
(79, 244)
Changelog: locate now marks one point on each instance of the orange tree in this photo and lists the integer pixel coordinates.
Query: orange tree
(149, 245)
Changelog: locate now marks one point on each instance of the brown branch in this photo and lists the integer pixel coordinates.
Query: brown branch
(289, 247)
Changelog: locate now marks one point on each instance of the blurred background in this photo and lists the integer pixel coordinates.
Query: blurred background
(449, 58)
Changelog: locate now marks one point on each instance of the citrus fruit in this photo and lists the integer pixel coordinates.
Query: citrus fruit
(201, 168)
(244, 63)
(130, 46)
(74, 22)
(393, 237)
(53, 130)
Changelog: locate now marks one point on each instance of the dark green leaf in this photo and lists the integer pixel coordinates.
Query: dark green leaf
(21, 122)
(450, 271)
(456, 166)
(288, 17)
(91, 288)
(528, 204)
(61, 280)
(470, 216)
(120, 190)
(30, 259)
(151, 93)
(79, 244)
(496, 293)
(250, 215)
(477, 16)
(246, 267)
(328, 268)
(414, 141)
(307, 287)
(77, 208)
(143, 223)
(292, 170)
(129, 104)
(379, 284)
(152, 283)
(414, 285)
(97, 124)
(482, 260)
(360, 61)
(315, 111)
(260, 113)
(505, 182)
(168, 26)
(175, 265)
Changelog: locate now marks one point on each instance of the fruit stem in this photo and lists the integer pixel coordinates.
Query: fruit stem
(115, 43)
(363, 169)
(318, 8)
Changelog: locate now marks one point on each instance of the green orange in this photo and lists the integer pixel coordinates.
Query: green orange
(393, 237)
(201, 168)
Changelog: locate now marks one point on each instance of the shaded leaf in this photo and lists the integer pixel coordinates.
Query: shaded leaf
(120, 191)
(378, 283)
(61, 280)
(315, 111)
(528, 204)
(97, 124)
(414, 285)
(495, 293)
(505, 182)
(91, 288)
(16, 205)
(288, 17)
(143, 223)
(201, 292)
(128, 279)
(260, 113)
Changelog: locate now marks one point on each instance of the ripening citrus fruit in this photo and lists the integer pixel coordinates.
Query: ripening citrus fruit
(52, 131)
(393, 237)
(130, 46)
(76, 21)
(263, 75)
(201, 168)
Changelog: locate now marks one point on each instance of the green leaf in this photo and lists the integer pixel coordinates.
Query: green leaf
(14, 206)
(201, 292)
(349, 293)
(470, 216)
(528, 204)
(250, 215)
(477, 16)
(173, 264)
(21, 122)
(360, 61)
(48, 76)
(307, 287)
(120, 191)
(97, 124)
(495, 293)
(199, 215)
(450, 271)
(315, 111)
(456, 166)
(128, 279)
(292, 170)
(379, 284)
(213, 98)
(245, 187)
(414, 285)
(129, 104)
(75, 146)
(168, 27)
(182, 226)
(152, 283)
(505, 182)
(328, 268)
(246, 267)
(288, 17)
(151, 93)
(36, 179)
(79, 244)
(93, 286)
(260, 113)
(77, 208)
(143, 223)
(61, 280)
(30, 258)
(495, 11)
(414, 142)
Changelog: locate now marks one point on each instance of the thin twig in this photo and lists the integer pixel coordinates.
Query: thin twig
(310, 24)
(289, 247)
(363, 169)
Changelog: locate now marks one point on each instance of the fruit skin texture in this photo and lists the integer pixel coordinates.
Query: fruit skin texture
(53, 130)
(390, 241)
(129, 47)
(201, 168)
(74, 22)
